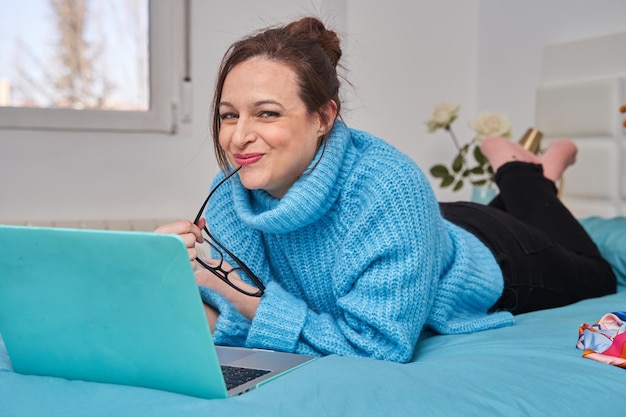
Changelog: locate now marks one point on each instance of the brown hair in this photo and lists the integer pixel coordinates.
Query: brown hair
(310, 50)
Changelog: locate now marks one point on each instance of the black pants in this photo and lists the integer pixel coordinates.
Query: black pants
(547, 258)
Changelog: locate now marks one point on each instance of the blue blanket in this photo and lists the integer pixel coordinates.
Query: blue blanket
(532, 368)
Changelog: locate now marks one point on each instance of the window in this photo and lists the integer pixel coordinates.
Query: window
(99, 65)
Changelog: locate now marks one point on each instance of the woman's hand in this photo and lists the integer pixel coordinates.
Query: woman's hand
(189, 232)
(192, 234)
(246, 304)
(211, 316)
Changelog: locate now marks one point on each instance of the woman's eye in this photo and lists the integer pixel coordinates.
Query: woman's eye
(227, 116)
(266, 114)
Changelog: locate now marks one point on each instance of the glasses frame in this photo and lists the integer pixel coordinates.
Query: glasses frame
(219, 270)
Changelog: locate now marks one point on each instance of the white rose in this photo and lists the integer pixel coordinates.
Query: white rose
(441, 116)
(491, 124)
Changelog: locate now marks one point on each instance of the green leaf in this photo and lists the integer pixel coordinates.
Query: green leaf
(439, 171)
(447, 181)
(478, 170)
(478, 183)
(479, 156)
(457, 164)
(458, 185)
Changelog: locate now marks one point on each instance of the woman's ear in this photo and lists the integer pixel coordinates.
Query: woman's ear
(328, 114)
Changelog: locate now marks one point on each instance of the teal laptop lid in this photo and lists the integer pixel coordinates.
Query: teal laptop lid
(105, 306)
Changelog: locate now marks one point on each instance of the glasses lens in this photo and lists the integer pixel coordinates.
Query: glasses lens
(212, 253)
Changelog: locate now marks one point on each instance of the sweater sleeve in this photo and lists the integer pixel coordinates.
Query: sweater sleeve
(231, 328)
(385, 272)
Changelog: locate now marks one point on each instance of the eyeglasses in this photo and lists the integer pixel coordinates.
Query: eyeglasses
(238, 267)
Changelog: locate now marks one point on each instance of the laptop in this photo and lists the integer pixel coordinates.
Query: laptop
(117, 307)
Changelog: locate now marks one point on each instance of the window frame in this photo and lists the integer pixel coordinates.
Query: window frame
(166, 29)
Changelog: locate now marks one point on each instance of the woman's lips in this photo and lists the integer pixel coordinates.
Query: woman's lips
(247, 159)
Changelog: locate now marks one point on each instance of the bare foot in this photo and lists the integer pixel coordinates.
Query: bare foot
(561, 153)
(499, 151)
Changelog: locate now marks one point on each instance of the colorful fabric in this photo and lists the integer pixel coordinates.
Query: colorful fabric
(356, 258)
(605, 340)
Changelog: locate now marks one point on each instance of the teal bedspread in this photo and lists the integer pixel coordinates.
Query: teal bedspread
(530, 369)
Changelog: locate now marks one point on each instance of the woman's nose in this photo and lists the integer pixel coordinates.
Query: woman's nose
(243, 133)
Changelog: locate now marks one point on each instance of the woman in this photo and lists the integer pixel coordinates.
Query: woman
(336, 239)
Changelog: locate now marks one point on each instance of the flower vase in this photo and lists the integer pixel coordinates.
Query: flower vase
(484, 194)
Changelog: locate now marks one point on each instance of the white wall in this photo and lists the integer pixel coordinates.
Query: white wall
(511, 38)
(405, 57)
(402, 58)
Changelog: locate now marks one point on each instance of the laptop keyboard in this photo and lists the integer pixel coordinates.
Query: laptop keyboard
(235, 376)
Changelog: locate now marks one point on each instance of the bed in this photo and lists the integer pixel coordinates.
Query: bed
(532, 368)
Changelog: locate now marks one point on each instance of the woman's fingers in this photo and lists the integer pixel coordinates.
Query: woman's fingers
(186, 229)
(189, 233)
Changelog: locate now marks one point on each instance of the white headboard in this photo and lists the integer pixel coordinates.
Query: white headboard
(582, 88)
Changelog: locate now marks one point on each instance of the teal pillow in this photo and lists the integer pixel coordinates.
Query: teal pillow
(609, 234)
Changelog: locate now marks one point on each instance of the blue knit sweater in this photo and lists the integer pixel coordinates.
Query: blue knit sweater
(356, 257)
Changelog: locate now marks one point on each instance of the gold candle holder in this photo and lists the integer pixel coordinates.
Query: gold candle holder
(531, 141)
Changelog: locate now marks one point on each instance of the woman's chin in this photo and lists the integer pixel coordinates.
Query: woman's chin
(256, 182)
(251, 183)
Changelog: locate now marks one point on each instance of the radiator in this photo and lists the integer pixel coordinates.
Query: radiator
(144, 225)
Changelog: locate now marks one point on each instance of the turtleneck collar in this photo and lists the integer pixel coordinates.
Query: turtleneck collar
(307, 200)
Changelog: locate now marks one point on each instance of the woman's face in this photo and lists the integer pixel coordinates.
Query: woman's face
(265, 126)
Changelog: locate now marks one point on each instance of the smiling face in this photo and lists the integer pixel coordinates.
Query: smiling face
(265, 126)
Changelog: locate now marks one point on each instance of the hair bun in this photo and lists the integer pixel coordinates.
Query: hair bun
(316, 30)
